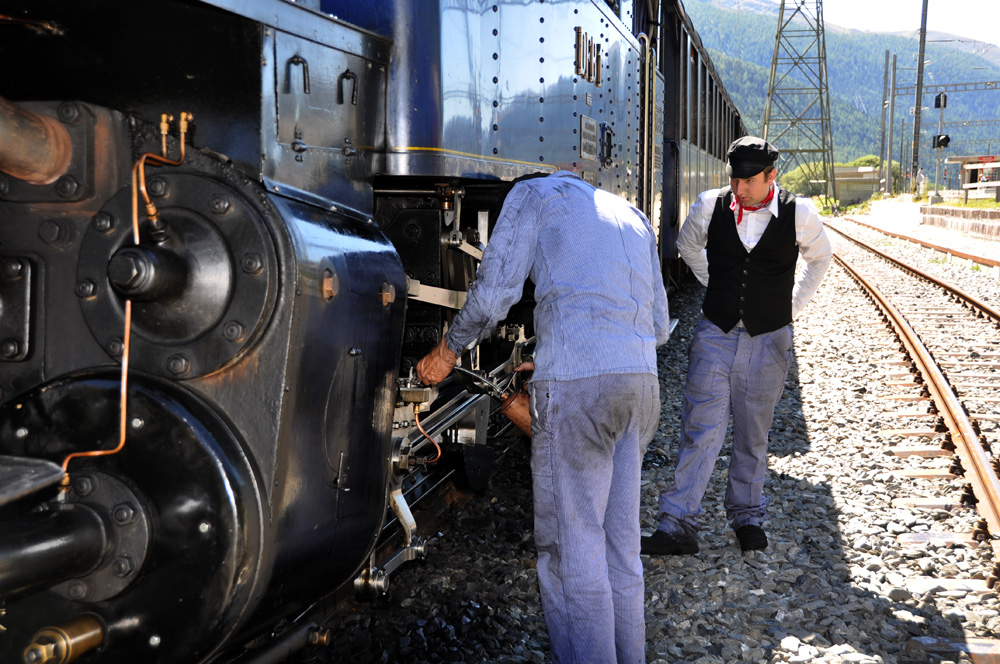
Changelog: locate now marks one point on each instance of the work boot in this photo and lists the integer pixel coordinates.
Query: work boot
(662, 543)
(751, 537)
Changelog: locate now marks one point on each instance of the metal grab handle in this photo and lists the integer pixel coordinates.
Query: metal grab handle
(297, 60)
(348, 74)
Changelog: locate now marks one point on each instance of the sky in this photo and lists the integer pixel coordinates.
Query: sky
(976, 19)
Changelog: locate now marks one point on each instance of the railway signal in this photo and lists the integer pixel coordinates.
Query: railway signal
(941, 141)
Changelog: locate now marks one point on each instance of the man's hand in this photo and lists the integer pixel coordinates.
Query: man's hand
(436, 365)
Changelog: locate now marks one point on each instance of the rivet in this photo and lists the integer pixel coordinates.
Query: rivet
(12, 268)
(9, 348)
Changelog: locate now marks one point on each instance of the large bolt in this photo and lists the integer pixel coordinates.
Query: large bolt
(178, 365)
(66, 186)
(85, 288)
(83, 486)
(252, 264)
(123, 269)
(68, 112)
(220, 204)
(157, 187)
(103, 222)
(12, 269)
(52, 232)
(122, 566)
(79, 590)
(234, 331)
(123, 514)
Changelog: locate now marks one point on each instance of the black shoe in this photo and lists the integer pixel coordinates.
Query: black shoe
(752, 538)
(665, 544)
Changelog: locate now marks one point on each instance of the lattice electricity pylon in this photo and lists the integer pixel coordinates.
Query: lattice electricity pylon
(797, 110)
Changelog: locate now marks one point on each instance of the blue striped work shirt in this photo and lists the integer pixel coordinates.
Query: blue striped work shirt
(601, 307)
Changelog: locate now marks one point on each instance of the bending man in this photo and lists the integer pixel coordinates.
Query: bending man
(601, 310)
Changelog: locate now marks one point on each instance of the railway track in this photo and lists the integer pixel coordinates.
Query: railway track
(945, 392)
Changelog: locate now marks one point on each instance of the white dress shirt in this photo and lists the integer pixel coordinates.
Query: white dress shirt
(814, 246)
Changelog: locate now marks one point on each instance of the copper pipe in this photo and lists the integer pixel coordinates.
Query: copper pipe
(416, 417)
(138, 186)
(33, 148)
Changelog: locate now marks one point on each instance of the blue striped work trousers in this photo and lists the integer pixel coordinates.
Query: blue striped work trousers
(728, 374)
(588, 439)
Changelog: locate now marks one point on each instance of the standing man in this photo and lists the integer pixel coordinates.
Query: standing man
(742, 242)
(600, 312)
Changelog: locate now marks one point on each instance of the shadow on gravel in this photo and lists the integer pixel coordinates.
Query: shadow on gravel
(800, 600)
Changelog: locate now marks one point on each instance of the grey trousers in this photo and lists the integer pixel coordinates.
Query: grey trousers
(728, 374)
(588, 440)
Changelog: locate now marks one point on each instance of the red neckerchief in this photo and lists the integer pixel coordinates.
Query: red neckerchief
(763, 204)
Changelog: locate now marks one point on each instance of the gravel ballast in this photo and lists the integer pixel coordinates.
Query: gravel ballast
(833, 586)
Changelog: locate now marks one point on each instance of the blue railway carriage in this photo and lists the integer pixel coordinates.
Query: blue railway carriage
(228, 230)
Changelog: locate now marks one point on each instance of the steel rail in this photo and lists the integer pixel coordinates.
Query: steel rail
(984, 481)
(967, 299)
(982, 260)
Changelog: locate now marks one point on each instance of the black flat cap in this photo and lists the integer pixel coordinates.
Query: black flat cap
(748, 156)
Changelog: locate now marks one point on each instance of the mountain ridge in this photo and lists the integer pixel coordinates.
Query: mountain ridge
(741, 43)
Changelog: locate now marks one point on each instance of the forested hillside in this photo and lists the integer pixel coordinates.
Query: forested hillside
(741, 43)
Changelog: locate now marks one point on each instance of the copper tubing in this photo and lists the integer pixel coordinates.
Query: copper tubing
(139, 171)
(123, 415)
(33, 148)
(138, 187)
(416, 417)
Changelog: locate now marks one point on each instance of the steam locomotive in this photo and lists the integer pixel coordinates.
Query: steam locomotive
(228, 231)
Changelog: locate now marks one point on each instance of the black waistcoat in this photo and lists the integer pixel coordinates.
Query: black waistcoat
(754, 286)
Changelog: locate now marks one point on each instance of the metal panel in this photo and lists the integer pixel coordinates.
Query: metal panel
(327, 136)
(495, 91)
